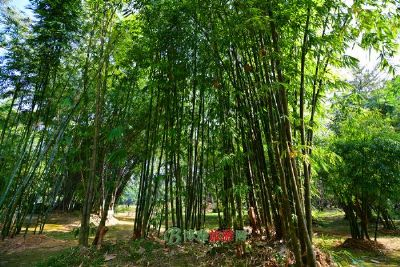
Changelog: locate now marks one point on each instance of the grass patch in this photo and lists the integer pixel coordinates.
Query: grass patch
(331, 230)
(75, 256)
(57, 247)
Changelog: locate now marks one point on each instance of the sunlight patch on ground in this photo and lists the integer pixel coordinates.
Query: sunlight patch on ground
(330, 228)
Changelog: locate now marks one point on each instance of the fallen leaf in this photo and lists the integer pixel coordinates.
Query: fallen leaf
(141, 250)
(109, 257)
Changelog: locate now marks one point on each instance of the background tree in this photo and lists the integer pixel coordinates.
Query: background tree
(367, 141)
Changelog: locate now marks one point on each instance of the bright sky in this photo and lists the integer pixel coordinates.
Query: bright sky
(368, 60)
(20, 4)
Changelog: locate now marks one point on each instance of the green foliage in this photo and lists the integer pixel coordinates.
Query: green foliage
(175, 104)
(369, 166)
(367, 141)
(75, 256)
(367, 144)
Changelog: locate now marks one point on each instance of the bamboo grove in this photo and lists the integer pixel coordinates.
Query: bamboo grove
(196, 101)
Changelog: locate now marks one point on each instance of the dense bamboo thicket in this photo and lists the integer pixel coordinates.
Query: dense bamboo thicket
(198, 102)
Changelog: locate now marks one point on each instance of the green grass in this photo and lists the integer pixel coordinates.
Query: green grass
(61, 235)
(26, 258)
(332, 230)
(327, 215)
(211, 221)
(124, 209)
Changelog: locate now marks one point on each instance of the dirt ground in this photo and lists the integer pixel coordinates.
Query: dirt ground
(58, 235)
(330, 233)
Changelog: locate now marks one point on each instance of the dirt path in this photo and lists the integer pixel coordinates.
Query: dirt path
(57, 236)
